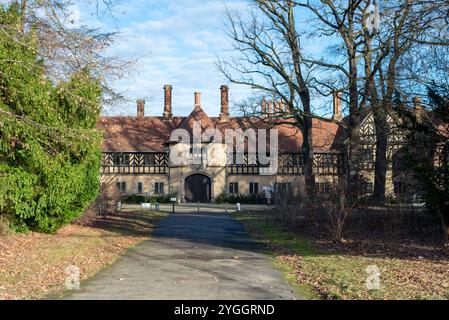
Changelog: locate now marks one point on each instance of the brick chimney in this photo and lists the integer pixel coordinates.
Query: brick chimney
(264, 107)
(224, 113)
(337, 110)
(168, 114)
(281, 107)
(418, 109)
(417, 102)
(197, 99)
(270, 107)
(140, 108)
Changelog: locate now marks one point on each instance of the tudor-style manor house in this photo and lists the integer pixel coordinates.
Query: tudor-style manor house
(137, 154)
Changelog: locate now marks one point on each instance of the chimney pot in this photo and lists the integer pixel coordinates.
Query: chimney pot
(417, 101)
(337, 112)
(140, 108)
(418, 109)
(224, 113)
(168, 114)
(197, 99)
(264, 106)
(270, 107)
(280, 107)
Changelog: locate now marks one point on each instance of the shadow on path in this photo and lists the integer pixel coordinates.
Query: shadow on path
(191, 256)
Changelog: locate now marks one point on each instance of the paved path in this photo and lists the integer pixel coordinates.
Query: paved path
(191, 256)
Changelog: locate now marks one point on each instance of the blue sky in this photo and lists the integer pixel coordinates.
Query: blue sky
(177, 43)
(174, 42)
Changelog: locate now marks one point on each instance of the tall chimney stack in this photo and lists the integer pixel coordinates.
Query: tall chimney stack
(279, 107)
(418, 109)
(417, 102)
(337, 112)
(168, 114)
(140, 108)
(270, 107)
(224, 113)
(264, 107)
(197, 99)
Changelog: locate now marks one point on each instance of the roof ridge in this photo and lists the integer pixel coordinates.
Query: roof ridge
(197, 114)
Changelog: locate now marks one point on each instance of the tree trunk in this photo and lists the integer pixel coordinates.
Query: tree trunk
(308, 157)
(380, 122)
(445, 228)
(304, 95)
(354, 112)
(381, 162)
(446, 238)
(354, 128)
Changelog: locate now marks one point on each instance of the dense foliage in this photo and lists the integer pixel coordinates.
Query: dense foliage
(49, 146)
(429, 153)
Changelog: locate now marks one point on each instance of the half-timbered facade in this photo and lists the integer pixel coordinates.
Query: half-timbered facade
(398, 179)
(137, 154)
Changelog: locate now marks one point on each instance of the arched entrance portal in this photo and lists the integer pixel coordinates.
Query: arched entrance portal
(198, 188)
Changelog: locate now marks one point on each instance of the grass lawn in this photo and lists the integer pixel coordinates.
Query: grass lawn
(33, 265)
(342, 275)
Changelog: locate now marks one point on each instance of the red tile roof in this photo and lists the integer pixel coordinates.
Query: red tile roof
(150, 134)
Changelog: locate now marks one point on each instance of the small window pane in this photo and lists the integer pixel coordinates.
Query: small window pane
(149, 159)
(140, 188)
(159, 188)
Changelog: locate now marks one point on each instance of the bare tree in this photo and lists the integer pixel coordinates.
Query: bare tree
(67, 46)
(270, 60)
(340, 20)
(407, 26)
(373, 38)
(269, 54)
(337, 206)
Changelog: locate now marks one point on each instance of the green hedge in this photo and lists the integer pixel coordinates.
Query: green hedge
(138, 199)
(233, 199)
(49, 146)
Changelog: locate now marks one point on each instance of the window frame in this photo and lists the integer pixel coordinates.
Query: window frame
(234, 188)
(159, 188)
(139, 187)
(254, 188)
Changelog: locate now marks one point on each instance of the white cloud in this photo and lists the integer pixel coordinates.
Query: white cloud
(177, 43)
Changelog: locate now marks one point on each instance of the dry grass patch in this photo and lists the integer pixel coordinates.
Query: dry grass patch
(340, 272)
(33, 265)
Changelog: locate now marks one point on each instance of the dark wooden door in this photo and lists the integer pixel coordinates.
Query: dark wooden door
(198, 188)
